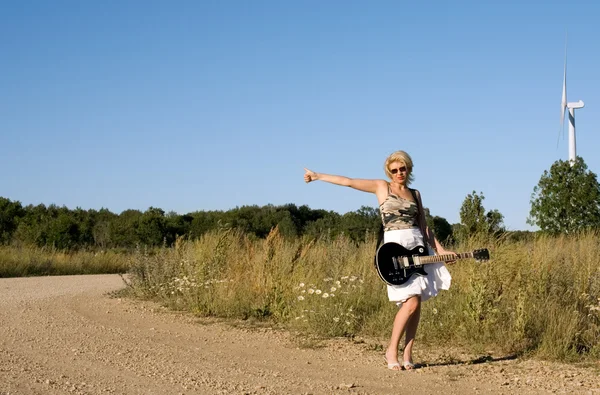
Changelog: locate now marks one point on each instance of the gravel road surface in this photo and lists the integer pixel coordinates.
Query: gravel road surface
(68, 335)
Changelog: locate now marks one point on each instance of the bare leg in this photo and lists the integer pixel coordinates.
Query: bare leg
(411, 330)
(401, 322)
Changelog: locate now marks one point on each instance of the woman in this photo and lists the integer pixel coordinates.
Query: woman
(404, 223)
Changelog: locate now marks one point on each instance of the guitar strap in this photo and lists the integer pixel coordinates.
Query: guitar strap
(419, 209)
(421, 226)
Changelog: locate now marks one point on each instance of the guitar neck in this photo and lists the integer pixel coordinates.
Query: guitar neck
(446, 257)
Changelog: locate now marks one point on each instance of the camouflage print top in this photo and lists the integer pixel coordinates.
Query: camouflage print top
(398, 213)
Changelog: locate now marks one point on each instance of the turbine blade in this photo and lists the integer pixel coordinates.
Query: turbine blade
(563, 108)
(563, 101)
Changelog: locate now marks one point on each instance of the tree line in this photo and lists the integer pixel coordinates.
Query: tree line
(566, 200)
(64, 228)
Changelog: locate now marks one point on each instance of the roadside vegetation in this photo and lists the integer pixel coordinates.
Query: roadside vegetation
(24, 261)
(538, 297)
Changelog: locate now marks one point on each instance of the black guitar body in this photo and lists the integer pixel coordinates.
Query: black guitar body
(396, 264)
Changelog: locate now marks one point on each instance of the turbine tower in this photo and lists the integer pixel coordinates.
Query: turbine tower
(571, 107)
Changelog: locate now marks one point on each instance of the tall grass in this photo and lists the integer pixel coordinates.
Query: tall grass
(540, 296)
(22, 261)
(299, 282)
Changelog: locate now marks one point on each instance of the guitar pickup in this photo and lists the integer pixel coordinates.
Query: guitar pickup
(395, 261)
(405, 262)
(416, 260)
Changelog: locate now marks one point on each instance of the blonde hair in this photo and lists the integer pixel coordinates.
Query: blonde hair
(405, 159)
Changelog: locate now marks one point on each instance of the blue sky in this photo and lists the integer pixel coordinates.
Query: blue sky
(209, 105)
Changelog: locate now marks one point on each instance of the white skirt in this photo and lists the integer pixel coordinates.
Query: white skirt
(438, 277)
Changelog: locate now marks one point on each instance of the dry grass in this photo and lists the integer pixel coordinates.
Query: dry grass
(540, 296)
(23, 261)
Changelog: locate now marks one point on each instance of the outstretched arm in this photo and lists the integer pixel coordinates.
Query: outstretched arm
(372, 186)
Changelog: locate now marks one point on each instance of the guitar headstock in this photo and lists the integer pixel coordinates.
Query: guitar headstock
(481, 255)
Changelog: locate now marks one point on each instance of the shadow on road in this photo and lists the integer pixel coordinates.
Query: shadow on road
(483, 359)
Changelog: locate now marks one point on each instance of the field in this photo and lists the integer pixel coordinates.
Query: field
(539, 297)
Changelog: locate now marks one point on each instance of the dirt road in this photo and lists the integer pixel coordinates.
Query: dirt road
(66, 335)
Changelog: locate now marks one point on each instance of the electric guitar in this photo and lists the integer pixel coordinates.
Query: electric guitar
(396, 264)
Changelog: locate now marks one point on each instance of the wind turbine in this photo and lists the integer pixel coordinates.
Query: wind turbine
(571, 107)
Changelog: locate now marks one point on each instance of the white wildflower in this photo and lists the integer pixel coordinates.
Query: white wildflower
(318, 292)
(300, 297)
(325, 295)
(333, 289)
(311, 291)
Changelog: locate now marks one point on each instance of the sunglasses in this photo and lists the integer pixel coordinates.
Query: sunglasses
(401, 169)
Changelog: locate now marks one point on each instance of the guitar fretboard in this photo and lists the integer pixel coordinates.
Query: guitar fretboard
(446, 257)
